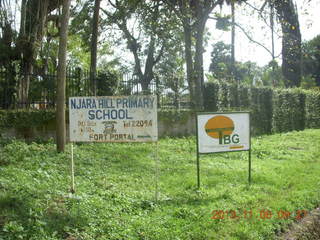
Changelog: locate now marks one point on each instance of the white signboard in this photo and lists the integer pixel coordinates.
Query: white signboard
(113, 119)
(223, 132)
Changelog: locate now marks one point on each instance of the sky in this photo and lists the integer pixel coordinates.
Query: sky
(245, 50)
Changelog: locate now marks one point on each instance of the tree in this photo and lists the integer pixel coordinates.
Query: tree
(61, 84)
(193, 16)
(224, 70)
(25, 41)
(34, 17)
(170, 72)
(8, 56)
(146, 39)
(94, 43)
(291, 42)
(221, 62)
(311, 61)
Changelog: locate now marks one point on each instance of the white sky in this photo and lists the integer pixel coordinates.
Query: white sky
(309, 18)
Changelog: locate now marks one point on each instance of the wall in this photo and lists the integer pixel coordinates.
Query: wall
(170, 123)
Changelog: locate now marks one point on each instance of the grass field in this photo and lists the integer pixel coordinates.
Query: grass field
(115, 190)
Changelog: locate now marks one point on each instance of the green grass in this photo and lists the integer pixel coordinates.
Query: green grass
(115, 189)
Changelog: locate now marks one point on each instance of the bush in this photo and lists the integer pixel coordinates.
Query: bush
(261, 110)
(312, 110)
(289, 110)
(210, 96)
(25, 118)
(280, 110)
(224, 99)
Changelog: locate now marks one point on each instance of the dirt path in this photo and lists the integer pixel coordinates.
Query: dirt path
(306, 229)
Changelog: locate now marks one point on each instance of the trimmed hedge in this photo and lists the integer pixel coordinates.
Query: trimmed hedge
(312, 110)
(289, 110)
(25, 118)
(280, 110)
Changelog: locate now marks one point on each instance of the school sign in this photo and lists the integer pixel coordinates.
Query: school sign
(113, 119)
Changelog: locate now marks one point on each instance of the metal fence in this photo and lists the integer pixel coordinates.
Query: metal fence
(42, 89)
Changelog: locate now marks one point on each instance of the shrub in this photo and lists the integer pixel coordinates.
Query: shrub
(279, 110)
(261, 110)
(210, 96)
(25, 118)
(312, 110)
(288, 110)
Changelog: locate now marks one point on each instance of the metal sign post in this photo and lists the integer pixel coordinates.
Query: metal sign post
(223, 132)
(249, 177)
(156, 172)
(72, 171)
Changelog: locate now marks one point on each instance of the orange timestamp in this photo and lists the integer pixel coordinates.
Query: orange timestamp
(262, 214)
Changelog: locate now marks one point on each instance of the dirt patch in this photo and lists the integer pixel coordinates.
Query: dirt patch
(306, 229)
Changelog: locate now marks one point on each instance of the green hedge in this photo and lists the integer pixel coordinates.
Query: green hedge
(289, 110)
(280, 110)
(25, 118)
(312, 110)
(261, 110)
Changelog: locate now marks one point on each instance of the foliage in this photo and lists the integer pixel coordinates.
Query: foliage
(279, 110)
(107, 82)
(312, 109)
(25, 118)
(170, 117)
(272, 75)
(115, 186)
(261, 110)
(223, 70)
(289, 110)
(311, 62)
(81, 23)
(291, 42)
(210, 95)
(169, 72)
(221, 61)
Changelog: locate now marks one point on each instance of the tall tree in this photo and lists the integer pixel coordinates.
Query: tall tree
(94, 43)
(26, 41)
(193, 16)
(233, 35)
(7, 56)
(34, 16)
(61, 84)
(291, 42)
(147, 41)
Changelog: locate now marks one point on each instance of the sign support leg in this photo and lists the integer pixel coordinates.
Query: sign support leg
(72, 171)
(249, 178)
(157, 173)
(198, 170)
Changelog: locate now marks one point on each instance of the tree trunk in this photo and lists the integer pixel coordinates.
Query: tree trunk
(33, 22)
(61, 81)
(198, 66)
(148, 68)
(94, 43)
(24, 83)
(272, 43)
(233, 33)
(189, 62)
(291, 42)
(23, 17)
